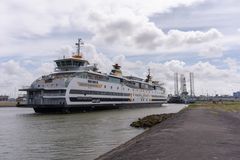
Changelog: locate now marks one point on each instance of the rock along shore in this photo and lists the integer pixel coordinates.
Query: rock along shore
(192, 134)
(151, 120)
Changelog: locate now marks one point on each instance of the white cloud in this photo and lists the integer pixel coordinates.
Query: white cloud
(124, 26)
(45, 68)
(177, 37)
(208, 78)
(211, 51)
(233, 64)
(138, 34)
(39, 28)
(13, 76)
(103, 62)
(40, 17)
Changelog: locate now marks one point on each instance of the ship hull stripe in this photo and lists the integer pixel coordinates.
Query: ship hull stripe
(97, 100)
(74, 108)
(88, 92)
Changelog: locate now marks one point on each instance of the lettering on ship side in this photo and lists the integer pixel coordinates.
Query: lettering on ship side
(89, 85)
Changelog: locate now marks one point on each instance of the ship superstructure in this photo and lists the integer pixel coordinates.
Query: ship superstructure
(76, 84)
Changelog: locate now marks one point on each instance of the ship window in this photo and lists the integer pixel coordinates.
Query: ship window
(111, 87)
(62, 63)
(115, 80)
(58, 64)
(81, 63)
(75, 63)
(91, 76)
(69, 63)
(117, 87)
(104, 86)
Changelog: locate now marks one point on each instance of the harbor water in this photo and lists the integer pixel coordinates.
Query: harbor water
(27, 135)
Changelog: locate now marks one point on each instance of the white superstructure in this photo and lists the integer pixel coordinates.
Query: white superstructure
(77, 85)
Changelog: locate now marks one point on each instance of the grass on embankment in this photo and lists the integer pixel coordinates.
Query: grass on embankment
(223, 106)
(152, 120)
(7, 104)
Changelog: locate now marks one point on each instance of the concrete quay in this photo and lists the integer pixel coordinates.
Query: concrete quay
(193, 134)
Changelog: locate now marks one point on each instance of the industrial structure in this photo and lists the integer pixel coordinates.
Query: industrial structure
(236, 94)
(191, 75)
(176, 93)
(183, 85)
(182, 96)
(3, 98)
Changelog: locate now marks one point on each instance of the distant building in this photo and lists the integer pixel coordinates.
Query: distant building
(236, 94)
(3, 98)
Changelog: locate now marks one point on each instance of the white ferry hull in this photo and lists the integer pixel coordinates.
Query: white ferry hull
(76, 86)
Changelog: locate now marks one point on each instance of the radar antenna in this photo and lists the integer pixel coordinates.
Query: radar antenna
(79, 44)
(149, 71)
(149, 77)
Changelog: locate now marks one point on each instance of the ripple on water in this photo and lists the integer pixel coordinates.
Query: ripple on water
(27, 135)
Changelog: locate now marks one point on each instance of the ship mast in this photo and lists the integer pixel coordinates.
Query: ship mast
(149, 72)
(79, 44)
(149, 77)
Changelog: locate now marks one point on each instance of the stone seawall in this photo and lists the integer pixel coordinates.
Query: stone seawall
(193, 134)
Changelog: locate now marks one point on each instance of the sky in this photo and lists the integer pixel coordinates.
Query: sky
(199, 36)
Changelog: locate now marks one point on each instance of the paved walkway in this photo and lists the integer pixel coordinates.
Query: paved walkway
(197, 134)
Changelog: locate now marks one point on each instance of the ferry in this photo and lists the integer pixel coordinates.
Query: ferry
(76, 85)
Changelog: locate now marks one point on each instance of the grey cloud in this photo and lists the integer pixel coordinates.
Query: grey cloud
(144, 35)
(221, 14)
(146, 40)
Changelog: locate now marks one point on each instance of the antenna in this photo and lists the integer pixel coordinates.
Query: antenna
(79, 44)
(149, 71)
(149, 78)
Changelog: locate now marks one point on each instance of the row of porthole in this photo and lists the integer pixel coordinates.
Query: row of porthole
(47, 85)
(128, 89)
(117, 88)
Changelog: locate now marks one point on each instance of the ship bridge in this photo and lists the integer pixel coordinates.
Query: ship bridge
(73, 63)
(68, 64)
